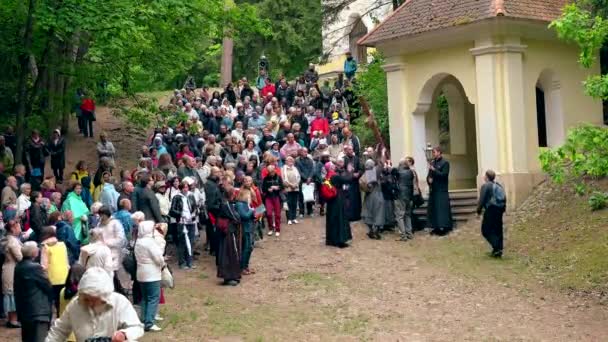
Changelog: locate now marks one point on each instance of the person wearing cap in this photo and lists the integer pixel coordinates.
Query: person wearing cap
(319, 148)
(164, 204)
(56, 149)
(350, 66)
(158, 144)
(97, 311)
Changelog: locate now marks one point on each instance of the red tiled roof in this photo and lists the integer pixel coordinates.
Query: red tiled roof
(418, 16)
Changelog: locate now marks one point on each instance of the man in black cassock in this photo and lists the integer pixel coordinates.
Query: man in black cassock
(439, 212)
(337, 226)
(353, 200)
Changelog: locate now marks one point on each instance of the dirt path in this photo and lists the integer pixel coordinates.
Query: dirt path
(374, 291)
(379, 291)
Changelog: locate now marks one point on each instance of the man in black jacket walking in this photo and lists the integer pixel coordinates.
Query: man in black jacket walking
(492, 200)
(33, 296)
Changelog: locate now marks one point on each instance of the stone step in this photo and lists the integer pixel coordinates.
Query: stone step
(455, 211)
(457, 218)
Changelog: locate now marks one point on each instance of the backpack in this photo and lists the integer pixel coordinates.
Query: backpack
(499, 198)
(328, 192)
(390, 189)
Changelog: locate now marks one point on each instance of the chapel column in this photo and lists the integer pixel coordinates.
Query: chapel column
(500, 113)
(399, 121)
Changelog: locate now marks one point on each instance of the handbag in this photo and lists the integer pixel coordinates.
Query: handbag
(308, 192)
(418, 200)
(166, 280)
(222, 224)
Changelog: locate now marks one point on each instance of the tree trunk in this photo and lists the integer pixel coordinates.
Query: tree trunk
(226, 68)
(22, 85)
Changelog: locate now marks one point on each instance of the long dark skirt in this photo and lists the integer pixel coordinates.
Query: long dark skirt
(337, 226)
(439, 211)
(229, 257)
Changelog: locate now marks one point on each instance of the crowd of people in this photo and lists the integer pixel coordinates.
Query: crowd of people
(215, 179)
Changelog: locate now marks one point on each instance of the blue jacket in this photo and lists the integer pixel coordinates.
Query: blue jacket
(350, 67)
(109, 196)
(124, 217)
(306, 167)
(246, 215)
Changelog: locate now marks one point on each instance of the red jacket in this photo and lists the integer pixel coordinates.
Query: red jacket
(269, 88)
(88, 105)
(319, 124)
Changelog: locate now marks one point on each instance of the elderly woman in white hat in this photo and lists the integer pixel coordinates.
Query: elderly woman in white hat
(98, 311)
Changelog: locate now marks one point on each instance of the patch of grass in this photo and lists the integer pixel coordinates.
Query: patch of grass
(314, 279)
(354, 325)
(566, 246)
(563, 246)
(203, 276)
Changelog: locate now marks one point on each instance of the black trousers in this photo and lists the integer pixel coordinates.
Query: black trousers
(292, 205)
(56, 293)
(87, 123)
(34, 331)
(491, 227)
(58, 173)
(212, 238)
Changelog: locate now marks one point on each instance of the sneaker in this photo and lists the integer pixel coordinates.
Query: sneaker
(270, 233)
(301, 216)
(154, 328)
(295, 222)
(277, 234)
(158, 318)
(290, 222)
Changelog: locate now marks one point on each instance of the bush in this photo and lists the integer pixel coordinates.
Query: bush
(599, 200)
(583, 156)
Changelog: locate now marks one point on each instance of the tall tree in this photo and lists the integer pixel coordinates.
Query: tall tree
(294, 38)
(50, 47)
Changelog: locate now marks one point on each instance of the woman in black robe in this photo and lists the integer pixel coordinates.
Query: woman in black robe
(337, 225)
(229, 236)
(439, 211)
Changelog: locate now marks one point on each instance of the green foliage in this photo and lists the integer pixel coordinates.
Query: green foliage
(128, 45)
(598, 200)
(585, 24)
(372, 85)
(444, 122)
(291, 41)
(583, 156)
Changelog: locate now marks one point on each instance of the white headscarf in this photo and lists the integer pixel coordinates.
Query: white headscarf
(96, 282)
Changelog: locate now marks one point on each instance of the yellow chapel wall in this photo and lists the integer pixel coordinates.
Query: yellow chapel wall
(562, 59)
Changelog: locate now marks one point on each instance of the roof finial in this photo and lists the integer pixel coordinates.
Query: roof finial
(499, 7)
